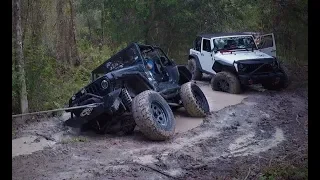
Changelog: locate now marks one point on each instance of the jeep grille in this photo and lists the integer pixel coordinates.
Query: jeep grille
(248, 68)
(94, 89)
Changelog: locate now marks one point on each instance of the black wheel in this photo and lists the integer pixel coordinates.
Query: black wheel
(282, 83)
(101, 124)
(226, 82)
(127, 124)
(153, 116)
(193, 100)
(85, 127)
(174, 108)
(194, 69)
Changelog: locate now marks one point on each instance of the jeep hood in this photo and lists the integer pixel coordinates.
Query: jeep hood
(110, 76)
(230, 58)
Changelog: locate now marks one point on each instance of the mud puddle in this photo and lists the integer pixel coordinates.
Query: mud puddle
(217, 101)
(31, 142)
(233, 143)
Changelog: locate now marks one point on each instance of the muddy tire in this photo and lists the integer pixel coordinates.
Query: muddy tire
(175, 108)
(153, 116)
(194, 69)
(193, 100)
(127, 124)
(284, 83)
(226, 82)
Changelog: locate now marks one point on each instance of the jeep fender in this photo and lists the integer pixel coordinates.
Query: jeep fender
(219, 66)
(195, 57)
(184, 74)
(136, 82)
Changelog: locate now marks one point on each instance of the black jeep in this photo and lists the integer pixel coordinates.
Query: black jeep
(139, 86)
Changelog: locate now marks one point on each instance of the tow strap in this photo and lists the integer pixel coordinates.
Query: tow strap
(59, 109)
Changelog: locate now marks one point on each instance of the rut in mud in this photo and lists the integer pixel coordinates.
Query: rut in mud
(263, 127)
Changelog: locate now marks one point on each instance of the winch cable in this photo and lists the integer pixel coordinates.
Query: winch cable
(59, 109)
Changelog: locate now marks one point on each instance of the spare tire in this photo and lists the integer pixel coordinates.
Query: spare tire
(193, 100)
(153, 116)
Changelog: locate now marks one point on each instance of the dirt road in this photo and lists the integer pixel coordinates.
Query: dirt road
(237, 141)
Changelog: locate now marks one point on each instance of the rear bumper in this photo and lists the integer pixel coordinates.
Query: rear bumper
(260, 78)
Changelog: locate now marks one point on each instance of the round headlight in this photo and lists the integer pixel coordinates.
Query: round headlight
(104, 84)
(73, 98)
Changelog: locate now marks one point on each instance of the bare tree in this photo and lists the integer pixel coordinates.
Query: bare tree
(73, 40)
(19, 58)
(67, 52)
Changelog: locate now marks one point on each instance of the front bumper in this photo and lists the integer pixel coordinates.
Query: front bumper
(260, 78)
(108, 104)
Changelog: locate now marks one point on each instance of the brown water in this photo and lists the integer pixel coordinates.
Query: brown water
(217, 101)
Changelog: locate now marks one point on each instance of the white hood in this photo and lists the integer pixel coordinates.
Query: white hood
(240, 55)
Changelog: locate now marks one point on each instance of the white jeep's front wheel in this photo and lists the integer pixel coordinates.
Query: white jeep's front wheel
(226, 82)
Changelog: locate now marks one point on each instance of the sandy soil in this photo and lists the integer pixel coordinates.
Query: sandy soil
(243, 134)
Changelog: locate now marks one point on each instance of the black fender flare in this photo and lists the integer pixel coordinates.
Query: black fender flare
(136, 74)
(184, 74)
(195, 57)
(219, 66)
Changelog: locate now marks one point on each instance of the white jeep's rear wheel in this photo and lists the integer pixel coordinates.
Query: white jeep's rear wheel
(194, 69)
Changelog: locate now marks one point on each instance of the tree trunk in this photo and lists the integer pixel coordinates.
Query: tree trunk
(89, 26)
(25, 24)
(60, 36)
(150, 19)
(74, 51)
(19, 57)
(102, 21)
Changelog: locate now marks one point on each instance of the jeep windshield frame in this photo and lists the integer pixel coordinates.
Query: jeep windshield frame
(125, 58)
(243, 42)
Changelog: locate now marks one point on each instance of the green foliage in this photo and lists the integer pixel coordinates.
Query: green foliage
(50, 84)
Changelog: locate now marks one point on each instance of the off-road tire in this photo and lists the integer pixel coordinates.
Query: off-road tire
(228, 77)
(145, 117)
(284, 83)
(193, 100)
(194, 69)
(175, 108)
(127, 124)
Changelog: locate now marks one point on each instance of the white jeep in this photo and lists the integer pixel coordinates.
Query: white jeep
(237, 59)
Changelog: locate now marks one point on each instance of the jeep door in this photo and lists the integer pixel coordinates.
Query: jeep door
(169, 67)
(266, 44)
(206, 59)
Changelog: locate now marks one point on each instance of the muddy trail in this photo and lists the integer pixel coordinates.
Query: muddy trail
(236, 141)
